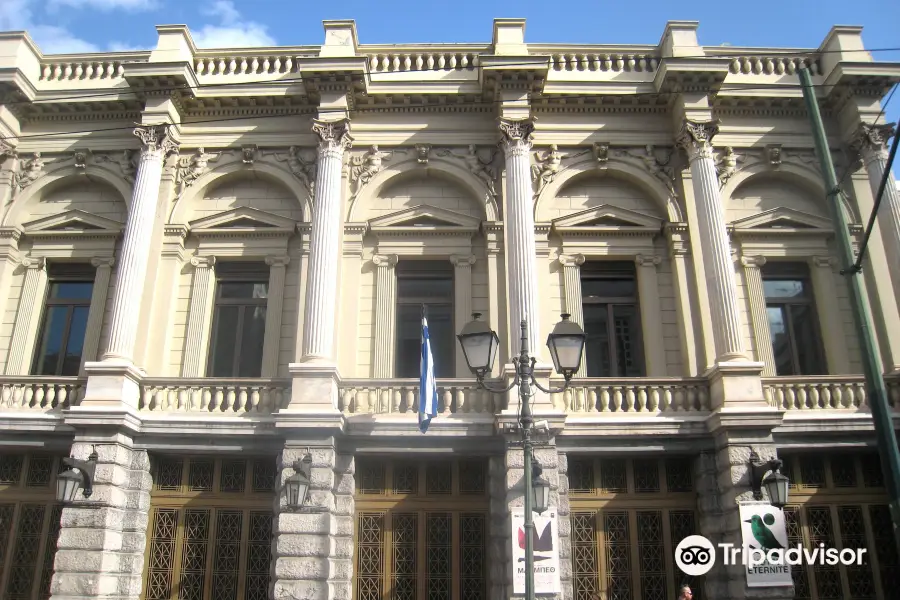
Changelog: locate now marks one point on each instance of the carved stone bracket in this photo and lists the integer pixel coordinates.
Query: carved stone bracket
(601, 153)
(773, 151)
(696, 138)
(6, 149)
(422, 152)
(249, 153)
(80, 158)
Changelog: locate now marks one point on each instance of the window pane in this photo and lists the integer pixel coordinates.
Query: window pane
(224, 341)
(409, 288)
(607, 288)
(596, 326)
(808, 343)
(254, 330)
(52, 339)
(781, 341)
(243, 289)
(628, 341)
(784, 288)
(409, 340)
(71, 290)
(75, 343)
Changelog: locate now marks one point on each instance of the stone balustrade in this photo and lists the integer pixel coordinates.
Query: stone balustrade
(393, 61)
(87, 68)
(382, 396)
(40, 393)
(771, 65)
(217, 396)
(824, 392)
(258, 63)
(647, 396)
(614, 62)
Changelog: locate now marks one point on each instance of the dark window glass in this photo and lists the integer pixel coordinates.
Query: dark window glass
(614, 345)
(428, 283)
(239, 320)
(64, 323)
(796, 344)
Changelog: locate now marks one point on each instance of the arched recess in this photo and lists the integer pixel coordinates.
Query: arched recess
(640, 178)
(182, 208)
(58, 180)
(804, 178)
(437, 168)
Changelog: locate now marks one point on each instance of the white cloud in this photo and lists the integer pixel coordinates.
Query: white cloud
(123, 47)
(231, 31)
(132, 5)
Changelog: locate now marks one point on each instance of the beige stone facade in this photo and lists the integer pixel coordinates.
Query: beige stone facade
(234, 282)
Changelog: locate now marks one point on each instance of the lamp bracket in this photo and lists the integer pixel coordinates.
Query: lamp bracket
(758, 470)
(86, 469)
(303, 465)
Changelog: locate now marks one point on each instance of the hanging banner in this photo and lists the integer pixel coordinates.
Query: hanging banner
(764, 539)
(546, 551)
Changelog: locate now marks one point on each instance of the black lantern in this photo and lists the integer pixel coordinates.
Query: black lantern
(479, 344)
(80, 476)
(297, 485)
(540, 488)
(776, 486)
(566, 343)
(775, 483)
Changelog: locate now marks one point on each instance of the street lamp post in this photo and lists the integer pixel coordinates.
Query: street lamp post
(566, 344)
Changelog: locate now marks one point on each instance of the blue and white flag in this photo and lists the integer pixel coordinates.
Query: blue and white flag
(427, 384)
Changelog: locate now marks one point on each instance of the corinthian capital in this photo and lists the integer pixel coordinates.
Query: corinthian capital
(696, 138)
(516, 133)
(156, 139)
(333, 135)
(871, 141)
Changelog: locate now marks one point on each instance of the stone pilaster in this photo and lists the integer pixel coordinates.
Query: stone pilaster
(871, 141)
(21, 346)
(99, 294)
(103, 539)
(385, 293)
(679, 249)
(823, 272)
(325, 243)
(131, 276)
(651, 314)
(462, 288)
(521, 251)
(757, 297)
(313, 556)
(199, 316)
(274, 313)
(571, 268)
(696, 139)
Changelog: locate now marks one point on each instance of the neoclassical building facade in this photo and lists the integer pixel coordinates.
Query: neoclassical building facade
(213, 263)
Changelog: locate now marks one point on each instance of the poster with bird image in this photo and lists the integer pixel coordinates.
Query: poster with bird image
(545, 544)
(763, 530)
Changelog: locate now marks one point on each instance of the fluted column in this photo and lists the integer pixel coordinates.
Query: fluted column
(103, 270)
(871, 142)
(825, 279)
(718, 267)
(325, 240)
(651, 314)
(131, 276)
(25, 327)
(385, 292)
(521, 253)
(199, 316)
(571, 267)
(274, 312)
(462, 301)
(757, 296)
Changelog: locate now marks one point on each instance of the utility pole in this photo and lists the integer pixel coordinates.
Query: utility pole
(876, 391)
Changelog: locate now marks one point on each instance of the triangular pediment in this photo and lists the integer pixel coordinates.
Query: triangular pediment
(782, 218)
(425, 216)
(72, 221)
(242, 218)
(607, 215)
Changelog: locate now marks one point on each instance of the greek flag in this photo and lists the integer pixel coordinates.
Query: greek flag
(427, 385)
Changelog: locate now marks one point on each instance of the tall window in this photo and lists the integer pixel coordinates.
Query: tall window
(239, 320)
(611, 320)
(428, 283)
(64, 323)
(796, 343)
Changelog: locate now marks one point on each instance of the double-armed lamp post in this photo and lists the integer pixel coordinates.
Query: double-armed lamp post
(566, 343)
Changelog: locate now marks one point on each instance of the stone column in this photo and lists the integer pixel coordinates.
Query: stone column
(462, 300)
(824, 282)
(31, 299)
(314, 544)
(274, 314)
(131, 276)
(99, 294)
(651, 314)
(196, 341)
(718, 268)
(325, 243)
(871, 142)
(571, 267)
(385, 302)
(103, 539)
(757, 297)
(679, 249)
(521, 252)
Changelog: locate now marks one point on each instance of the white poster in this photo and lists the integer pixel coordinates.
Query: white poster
(546, 551)
(763, 529)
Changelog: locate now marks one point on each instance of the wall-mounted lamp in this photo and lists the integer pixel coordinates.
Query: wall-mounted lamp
(775, 483)
(296, 486)
(540, 488)
(81, 475)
